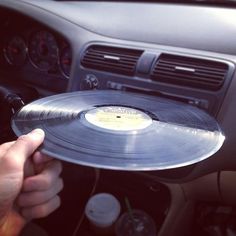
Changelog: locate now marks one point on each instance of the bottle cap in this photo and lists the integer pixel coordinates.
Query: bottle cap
(102, 209)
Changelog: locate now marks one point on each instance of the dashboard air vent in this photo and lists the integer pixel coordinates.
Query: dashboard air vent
(191, 72)
(111, 59)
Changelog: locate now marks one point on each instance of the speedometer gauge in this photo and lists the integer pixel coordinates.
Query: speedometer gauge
(65, 61)
(43, 50)
(15, 51)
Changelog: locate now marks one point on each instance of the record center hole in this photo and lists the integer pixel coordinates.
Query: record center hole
(118, 117)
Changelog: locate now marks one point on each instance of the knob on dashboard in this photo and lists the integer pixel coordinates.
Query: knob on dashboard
(89, 82)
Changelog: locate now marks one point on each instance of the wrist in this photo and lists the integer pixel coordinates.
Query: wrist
(12, 224)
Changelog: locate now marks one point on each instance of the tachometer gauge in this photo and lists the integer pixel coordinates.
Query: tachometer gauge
(65, 61)
(43, 50)
(15, 51)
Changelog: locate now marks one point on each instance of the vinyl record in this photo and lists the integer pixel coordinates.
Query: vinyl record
(120, 130)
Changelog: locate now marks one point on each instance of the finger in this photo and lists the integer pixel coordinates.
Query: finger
(40, 158)
(4, 147)
(40, 161)
(45, 179)
(30, 199)
(29, 169)
(42, 210)
(22, 148)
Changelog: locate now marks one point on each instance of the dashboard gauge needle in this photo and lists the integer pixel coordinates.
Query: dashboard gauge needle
(14, 50)
(66, 62)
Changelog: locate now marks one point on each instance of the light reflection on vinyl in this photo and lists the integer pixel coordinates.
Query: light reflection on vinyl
(121, 131)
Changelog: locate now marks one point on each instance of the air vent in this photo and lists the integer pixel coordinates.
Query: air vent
(192, 72)
(111, 59)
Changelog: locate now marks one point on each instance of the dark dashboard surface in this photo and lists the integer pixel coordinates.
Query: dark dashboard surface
(189, 37)
(33, 53)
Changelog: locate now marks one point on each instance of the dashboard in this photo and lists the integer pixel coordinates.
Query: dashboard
(68, 46)
(182, 51)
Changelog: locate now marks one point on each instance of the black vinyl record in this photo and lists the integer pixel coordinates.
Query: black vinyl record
(120, 130)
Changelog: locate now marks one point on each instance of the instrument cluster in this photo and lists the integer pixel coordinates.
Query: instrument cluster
(41, 49)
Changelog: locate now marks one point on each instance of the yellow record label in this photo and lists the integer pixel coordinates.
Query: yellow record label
(118, 118)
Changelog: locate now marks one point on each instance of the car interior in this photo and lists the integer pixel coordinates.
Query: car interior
(183, 51)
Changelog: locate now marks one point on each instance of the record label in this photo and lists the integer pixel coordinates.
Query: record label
(118, 118)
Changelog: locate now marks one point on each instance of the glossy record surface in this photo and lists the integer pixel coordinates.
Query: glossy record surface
(178, 134)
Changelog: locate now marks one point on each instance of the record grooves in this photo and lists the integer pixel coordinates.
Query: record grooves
(136, 132)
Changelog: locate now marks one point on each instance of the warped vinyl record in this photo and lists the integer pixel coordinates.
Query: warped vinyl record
(120, 130)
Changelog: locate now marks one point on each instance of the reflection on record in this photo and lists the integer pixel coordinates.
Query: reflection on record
(120, 130)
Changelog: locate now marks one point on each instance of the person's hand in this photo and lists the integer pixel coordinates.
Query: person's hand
(29, 183)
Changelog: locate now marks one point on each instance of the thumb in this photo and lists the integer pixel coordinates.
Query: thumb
(23, 148)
